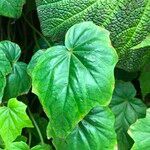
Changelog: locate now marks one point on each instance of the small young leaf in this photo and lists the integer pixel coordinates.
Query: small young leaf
(94, 132)
(140, 132)
(11, 50)
(127, 110)
(12, 119)
(11, 8)
(69, 80)
(18, 82)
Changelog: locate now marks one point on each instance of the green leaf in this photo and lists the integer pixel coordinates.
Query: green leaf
(18, 146)
(144, 79)
(140, 132)
(34, 61)
(11, 8)
(11, 50)
(69, 80)
(2, 85)
(127, 110)
(127, 20)
(5, 69)
(18, 82)
(5, 66)
(94, 132)
(13, 119)
(42, 147)
(143, 44)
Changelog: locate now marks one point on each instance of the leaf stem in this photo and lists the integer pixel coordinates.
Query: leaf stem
(37, 31)
(36, 126)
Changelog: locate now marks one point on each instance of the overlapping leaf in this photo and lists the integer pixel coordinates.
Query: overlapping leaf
(11, 8)
(69, 80)
(140, 132)
(12, 119)
(127, 20)
(94, 132)
(127, 110)
(18, 82)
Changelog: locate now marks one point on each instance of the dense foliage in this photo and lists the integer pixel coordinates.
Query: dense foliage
(74, 74)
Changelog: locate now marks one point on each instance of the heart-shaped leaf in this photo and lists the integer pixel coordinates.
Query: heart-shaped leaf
(127, 110)
(94, 132)
(69, 80)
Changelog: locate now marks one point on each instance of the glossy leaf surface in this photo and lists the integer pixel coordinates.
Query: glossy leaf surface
(94, 132)
(69, 80)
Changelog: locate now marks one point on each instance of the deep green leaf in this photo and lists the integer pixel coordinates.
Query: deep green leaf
(69, 80)
(94, 132)
(145, 79)
(18, 82)
(127, 20)
(5, 69)
(11, 8)
(140, 132)
(127, 110)
(12, 119)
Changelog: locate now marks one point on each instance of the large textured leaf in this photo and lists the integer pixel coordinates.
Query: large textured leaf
(94, 132)
(18, 82)
(11, 8)
(128, 21)
(145, 79)
(12, 119)
(69, 80)
(140, 132)
(127, 110)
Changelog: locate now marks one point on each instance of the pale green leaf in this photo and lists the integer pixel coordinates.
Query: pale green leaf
(17, 146)
(69, 80)
(11, 8)
(94, 132)
(127, 110)
(13, 119)
(140, 132)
